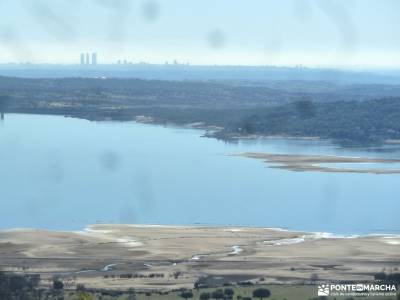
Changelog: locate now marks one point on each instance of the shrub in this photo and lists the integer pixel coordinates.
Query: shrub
(84, 296)
(217, 294)
(229, 292)
(186, 294)
(205, 296)
(261, 293)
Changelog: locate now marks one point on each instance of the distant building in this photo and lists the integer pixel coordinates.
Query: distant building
(82, 58)
(87, 61)
(94, 58)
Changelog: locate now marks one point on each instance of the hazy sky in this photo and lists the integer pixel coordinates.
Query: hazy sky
(256, 32)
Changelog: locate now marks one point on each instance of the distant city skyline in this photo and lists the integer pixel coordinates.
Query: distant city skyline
(85, 58)
(322, 33)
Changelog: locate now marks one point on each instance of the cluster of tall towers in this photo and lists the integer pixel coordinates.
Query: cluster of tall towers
(85, 59)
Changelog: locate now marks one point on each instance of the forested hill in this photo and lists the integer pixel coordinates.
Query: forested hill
(374, 121)
(117, 92)
(345, 113)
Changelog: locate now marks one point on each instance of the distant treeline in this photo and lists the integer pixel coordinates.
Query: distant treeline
(347, 122)
(361, 114)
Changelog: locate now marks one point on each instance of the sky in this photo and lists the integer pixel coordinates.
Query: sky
(341, 33)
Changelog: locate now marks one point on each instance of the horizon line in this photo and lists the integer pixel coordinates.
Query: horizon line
(172, 64)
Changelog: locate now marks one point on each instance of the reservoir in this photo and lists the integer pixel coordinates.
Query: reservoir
(63, 174)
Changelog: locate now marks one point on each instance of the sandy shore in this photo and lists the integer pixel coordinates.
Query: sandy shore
(313, 163)
(166, 257)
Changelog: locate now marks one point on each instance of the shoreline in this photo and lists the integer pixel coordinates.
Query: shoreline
(232, 228)
(208, 130)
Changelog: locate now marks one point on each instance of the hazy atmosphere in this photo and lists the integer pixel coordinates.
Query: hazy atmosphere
(176, 149)
(351, 33)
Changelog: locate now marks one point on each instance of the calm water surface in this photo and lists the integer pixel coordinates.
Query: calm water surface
(61, 173)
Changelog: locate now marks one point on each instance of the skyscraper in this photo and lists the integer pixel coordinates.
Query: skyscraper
(82, 58)
(87, 59)
(94, 58)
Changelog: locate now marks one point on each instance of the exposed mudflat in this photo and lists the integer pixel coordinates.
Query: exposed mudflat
(167, 257)
(294, 162)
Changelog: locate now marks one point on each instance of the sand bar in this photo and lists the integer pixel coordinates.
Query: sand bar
(302, 163)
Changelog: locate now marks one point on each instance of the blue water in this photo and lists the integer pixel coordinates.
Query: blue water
(62, 173)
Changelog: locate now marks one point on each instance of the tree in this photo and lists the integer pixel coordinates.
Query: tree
(3, 102)
(261, 293)
(58, 284)
(205, 296)
(314, 278)
(229, 292)
(217, 294)
(186, 294)
(380, 276)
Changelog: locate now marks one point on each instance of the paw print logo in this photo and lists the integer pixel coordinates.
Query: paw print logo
(323, 290)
